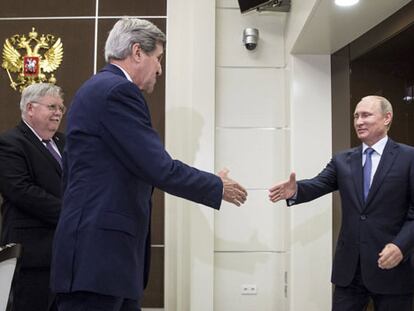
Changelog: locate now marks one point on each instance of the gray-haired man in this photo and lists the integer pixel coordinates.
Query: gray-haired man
(112, 161)
(30, 178)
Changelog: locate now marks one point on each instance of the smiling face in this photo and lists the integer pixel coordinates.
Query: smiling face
(370, 122)
(42, 118)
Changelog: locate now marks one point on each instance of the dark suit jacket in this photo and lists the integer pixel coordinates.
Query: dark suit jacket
(386, 217)
(112, 159)
(30, 184)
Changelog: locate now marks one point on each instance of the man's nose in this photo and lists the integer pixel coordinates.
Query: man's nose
(358, 121)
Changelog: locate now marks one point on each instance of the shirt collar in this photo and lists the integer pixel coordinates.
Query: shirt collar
(32, 129)
(34, 132)
(123, 70)
(378, 147)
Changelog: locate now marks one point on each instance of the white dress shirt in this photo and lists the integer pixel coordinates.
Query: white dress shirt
(41, 140)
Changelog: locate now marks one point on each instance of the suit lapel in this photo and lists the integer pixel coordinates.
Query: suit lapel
(27, 132)
(387, 160)
(59, 143)
(356, 170)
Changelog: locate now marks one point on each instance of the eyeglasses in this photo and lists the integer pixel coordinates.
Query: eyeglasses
(53, 107)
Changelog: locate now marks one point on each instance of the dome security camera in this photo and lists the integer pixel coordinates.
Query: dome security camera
(250, 38)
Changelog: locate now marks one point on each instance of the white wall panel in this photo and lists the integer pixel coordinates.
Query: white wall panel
(264, 270)
(258, 225)
(311, 223)
(250, 97)
(229, 32)
(252, 141)
(255, 157)
(227, 4)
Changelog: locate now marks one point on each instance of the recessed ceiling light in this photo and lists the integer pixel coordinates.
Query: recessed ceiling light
(346, 2)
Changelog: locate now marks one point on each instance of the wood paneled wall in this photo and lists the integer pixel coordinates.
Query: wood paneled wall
(83, 26)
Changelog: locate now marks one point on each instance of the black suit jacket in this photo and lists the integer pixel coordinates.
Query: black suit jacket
(30, 184)
(387, 216)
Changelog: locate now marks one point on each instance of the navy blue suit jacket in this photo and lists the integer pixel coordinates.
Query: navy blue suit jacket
(112, 159)
(387, 216)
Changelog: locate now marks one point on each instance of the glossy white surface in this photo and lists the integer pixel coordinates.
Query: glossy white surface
(250, 97)
(264, 270)
(7, 268)
(311, 145)
(330, 27)
(229, 32)
(259, 225)
(255, 157)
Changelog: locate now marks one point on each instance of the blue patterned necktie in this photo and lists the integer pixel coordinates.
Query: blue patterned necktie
(367, 170)
(53, 151)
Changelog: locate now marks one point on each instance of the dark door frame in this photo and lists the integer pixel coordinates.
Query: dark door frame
(341, 92)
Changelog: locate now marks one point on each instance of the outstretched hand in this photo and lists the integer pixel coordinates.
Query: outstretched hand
(284, 190)
(233, 192)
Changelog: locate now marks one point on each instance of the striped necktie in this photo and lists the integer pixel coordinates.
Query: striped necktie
(53, 151)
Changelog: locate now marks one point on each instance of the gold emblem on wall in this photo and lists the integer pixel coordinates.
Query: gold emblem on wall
(31, 59)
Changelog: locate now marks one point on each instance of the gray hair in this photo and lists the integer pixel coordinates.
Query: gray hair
(385, 105)
(128, 31)
(35, 92)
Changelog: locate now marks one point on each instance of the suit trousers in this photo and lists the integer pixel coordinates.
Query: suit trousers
(31, 289)
(88, 301)
(355, 297)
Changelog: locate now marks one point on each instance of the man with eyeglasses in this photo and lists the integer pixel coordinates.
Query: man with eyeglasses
(30, 184)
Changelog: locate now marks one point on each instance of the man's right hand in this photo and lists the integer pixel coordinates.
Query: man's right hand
(233, 192)
(284, 190)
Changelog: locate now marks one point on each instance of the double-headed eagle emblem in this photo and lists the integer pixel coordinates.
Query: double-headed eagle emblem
(31, 58)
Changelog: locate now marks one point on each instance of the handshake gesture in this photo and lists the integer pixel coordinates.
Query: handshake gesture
(233, 192)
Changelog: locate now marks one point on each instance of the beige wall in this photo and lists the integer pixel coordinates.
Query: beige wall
(83, 26)
(252, 133)
(241, 115)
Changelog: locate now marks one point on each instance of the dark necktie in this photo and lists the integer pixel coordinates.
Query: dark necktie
(367, 170)
(53, 151)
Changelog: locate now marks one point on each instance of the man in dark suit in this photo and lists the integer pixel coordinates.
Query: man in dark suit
(30, 184)
(112, 160)
(376, 183)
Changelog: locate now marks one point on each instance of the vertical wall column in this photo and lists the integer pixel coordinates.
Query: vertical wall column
(252, 142)
(190, 89)
(311, 148)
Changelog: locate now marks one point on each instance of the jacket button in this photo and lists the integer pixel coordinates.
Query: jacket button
(363, 217)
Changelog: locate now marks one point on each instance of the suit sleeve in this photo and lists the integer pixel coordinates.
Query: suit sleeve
(325, 182)
(405, 238)
(18, 187)
(127, 131)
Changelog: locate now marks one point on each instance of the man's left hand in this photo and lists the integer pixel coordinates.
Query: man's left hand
(390, 256)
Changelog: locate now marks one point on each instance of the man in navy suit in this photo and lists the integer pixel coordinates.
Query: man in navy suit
(30, 178)
(376, 183)
(112, 160)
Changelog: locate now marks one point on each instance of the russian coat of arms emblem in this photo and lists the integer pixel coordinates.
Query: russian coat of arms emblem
(31, 59)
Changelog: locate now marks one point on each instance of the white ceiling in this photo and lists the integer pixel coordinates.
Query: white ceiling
(330, 27)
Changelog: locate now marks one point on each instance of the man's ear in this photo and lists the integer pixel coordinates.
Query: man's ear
(137, 52)
(388, 118)
(29, 108)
